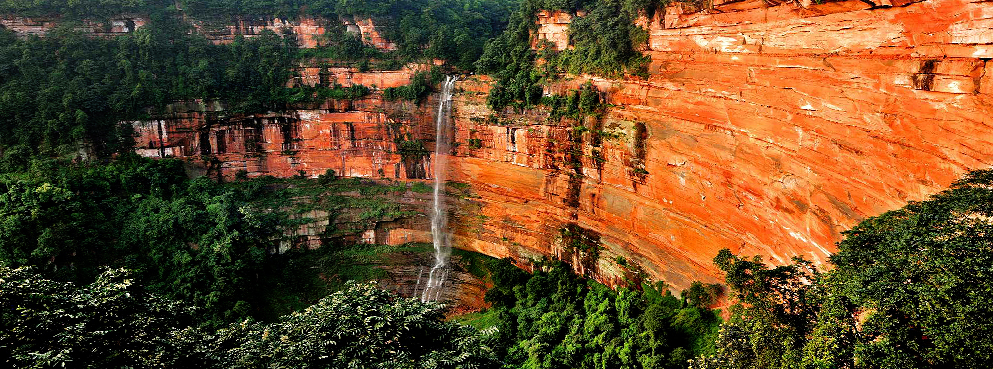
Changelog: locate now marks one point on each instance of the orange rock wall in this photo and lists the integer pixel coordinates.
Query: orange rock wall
(354, 138)
(770, 130)
(371, 36)
(766, 130)
(553, 27)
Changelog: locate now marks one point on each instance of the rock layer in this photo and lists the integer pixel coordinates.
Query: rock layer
(766, 130)
(769, 131)
(357, 138)
(308, 30)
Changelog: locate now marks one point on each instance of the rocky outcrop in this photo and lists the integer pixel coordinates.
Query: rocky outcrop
(766, 130)
(40, 26)
(370, 34)
(553, 28)
(308, 30)
(358, 138)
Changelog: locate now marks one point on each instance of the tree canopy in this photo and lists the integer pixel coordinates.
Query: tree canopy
(115, 322)
(556, 319)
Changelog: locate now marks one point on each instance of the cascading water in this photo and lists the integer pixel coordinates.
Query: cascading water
(439, 217)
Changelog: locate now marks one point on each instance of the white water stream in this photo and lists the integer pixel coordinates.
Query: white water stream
(439, 217)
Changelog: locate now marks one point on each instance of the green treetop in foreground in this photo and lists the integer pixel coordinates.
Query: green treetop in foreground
(114, 323)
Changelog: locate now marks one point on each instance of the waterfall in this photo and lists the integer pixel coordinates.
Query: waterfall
(439, 217)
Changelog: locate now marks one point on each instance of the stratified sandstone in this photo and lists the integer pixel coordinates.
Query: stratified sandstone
(553, 27)
(357, 138)
(770, 130)
(766, 130)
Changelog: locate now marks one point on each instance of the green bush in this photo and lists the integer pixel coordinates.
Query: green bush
(908, 290)
(553, 318)
(114, 322)
(419, 88)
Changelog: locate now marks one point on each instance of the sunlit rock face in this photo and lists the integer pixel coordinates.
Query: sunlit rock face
(767, 130)
(553, 28)
(358, 138)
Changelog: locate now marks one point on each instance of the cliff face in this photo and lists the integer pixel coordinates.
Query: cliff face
(307, 29)
(766, 130)
(359, 138)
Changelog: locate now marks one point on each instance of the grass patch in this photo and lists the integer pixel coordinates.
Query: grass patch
(421, 187)
(473, 262)
(479, 320)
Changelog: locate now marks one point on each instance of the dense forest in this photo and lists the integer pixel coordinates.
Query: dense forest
(115, 323)
(67, 89)
(906, 290)
(451, 30)
(67, 93)
(206, 243)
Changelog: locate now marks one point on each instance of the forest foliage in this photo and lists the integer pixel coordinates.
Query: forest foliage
(451, 30)
(909, 289)
(604, 42)
(67, 92)
(209, 244)
(556, 319)
(115, 322)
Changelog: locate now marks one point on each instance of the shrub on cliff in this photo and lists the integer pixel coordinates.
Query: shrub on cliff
(417, 90)
(910, 289)
(605, 42)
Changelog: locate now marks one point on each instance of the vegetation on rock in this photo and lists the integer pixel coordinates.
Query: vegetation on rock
(206, 243)
(909, 289)
(605, 42)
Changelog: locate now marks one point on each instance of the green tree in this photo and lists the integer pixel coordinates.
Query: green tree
(115, 322)
(111, 323)
(909, 289)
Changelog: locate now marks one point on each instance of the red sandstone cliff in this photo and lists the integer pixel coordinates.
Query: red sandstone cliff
(766, 130)
(354, 138)
(770, 130)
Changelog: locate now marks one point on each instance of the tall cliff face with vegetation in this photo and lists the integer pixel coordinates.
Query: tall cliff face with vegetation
(764, 129)
(632, 140)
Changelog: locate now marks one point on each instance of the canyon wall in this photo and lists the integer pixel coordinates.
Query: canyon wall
(356, 138)
(766, 130)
